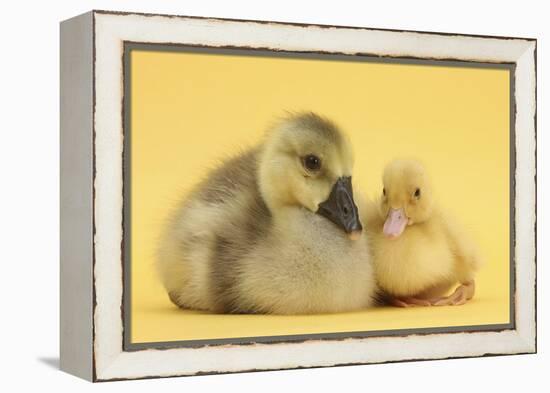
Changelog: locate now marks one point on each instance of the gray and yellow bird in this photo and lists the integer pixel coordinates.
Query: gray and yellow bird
(273, 230)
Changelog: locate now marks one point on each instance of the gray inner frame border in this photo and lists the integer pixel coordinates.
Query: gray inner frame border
(129, 46)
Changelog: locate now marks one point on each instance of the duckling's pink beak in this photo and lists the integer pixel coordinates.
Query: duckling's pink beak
(395, 223)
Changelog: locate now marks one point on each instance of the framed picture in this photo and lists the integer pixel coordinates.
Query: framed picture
(248, 195)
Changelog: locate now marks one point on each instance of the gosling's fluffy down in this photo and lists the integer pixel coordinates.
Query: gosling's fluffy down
(248, 240)
(418, 261)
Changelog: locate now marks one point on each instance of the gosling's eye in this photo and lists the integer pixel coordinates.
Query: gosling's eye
(417, 193)
(311, 162)
(384, 191)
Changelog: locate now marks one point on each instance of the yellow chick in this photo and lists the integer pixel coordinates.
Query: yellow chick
(419, 252)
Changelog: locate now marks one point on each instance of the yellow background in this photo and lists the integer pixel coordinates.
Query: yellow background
(189, 110)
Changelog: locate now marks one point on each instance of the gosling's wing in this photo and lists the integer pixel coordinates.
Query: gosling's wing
(232, 193)
(207, 234)
(241, 218)
(232, 177)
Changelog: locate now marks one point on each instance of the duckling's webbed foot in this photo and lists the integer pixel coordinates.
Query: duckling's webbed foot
(461, 295)
(409, 302)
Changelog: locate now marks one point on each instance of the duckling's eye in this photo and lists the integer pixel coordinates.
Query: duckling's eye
(311, 162)
(417, 193)
(384, 191)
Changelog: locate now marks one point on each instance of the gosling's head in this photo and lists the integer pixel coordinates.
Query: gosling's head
(307, 163)
(406, 196)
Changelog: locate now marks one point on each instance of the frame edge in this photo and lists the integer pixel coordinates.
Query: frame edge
(116, 367)
(76, 196)
(305, 24)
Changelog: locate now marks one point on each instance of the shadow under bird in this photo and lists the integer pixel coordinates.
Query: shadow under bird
(275, 229)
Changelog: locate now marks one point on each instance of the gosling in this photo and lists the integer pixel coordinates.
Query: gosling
(273, 230)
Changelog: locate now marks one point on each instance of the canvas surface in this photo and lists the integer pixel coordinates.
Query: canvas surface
(190, 110)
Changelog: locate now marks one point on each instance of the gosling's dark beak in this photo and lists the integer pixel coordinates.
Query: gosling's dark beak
(340, 208)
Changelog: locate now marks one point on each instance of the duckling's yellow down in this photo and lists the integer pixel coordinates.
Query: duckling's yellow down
(421, 261)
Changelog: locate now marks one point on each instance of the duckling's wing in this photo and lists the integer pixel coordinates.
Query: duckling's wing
(464, 248)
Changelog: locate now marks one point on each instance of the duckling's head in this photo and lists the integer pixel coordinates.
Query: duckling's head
(406, 197)
(307, 162)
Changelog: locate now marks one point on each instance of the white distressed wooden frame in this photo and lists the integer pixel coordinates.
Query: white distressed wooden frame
(92, 48)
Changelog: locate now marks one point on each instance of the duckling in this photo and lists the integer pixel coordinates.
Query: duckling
(272, 230)
(419, 252)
